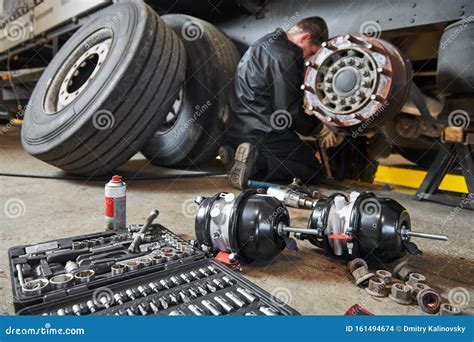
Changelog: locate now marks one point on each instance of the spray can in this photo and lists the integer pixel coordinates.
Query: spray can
(115, 204)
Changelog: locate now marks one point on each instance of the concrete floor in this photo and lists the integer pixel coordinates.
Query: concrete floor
(309, 281)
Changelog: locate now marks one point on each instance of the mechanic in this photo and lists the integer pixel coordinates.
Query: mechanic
(267, 109)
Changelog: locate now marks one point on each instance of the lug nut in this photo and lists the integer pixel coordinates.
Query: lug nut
(415, 278)
(447, 309)
(401, 294)
(402, 271)
(360, 271)
(377, 287)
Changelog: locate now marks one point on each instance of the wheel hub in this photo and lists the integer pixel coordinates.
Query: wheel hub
(351, 79)
(78, 71)
(82, 73)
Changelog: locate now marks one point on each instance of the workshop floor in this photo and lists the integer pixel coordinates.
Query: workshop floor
(309, 281)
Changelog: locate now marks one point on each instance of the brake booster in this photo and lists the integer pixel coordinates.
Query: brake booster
(257, 226)
(355, 82)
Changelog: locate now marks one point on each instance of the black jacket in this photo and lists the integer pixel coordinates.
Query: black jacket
(268, 81)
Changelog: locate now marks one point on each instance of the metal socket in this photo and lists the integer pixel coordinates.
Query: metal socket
(85, 276)
(61, 281)
(117, 269)
(35, 287)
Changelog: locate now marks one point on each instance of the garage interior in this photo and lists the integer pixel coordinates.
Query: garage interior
(67, 200)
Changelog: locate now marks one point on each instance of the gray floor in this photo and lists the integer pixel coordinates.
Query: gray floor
(311, 282)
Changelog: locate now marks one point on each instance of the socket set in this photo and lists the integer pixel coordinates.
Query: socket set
(62, 268)
(198, 288)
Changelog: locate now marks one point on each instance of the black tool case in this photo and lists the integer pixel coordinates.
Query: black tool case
(183, 280)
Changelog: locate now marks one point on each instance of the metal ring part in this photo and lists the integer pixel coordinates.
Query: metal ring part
(429, 301)
(169, 253)
(61, 281)
(157, 258)
(35, 287)
(85, 276)
(415, 278)
(386, 276)
(145, 262)
(377, 287)
(447, 309)
(360, 271)
(401, 294)
(117, 269)
(356, 263)
(415, 289)
(132, 265)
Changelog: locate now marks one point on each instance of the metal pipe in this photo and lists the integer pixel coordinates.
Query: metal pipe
(299, 230)
(427, 236)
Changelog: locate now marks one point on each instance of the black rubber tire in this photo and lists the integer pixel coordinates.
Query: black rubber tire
(136, 84)
(454, 58)
(211, 61)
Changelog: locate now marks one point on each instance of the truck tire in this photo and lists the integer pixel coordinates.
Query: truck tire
(194, 130)
(454, 59)
(105, 91)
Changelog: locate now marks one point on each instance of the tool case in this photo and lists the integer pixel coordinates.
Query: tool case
(96, 275)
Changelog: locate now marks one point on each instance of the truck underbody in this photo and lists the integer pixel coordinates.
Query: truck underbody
(434, 38)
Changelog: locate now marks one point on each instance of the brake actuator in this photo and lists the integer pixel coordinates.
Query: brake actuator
(257, 226)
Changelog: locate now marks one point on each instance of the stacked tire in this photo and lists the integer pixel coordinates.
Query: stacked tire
(109, 90)
(196, 132)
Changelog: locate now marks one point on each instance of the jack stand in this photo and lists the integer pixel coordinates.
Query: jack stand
(456, 146)
(451, 153)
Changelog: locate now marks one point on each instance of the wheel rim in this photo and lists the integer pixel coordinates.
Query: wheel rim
(172, 117)
(78, 71)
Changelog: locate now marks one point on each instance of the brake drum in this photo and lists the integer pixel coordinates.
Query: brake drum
(355, 82)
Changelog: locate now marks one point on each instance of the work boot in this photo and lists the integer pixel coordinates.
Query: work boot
(227, 155)
(245, 165)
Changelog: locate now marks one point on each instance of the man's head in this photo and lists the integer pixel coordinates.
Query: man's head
(309, 34)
